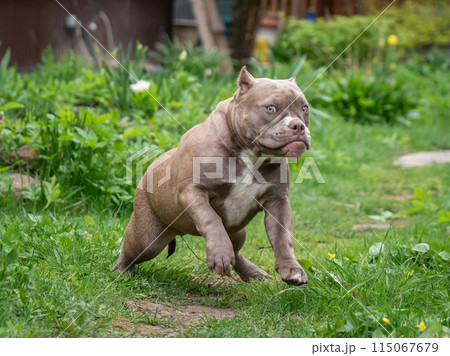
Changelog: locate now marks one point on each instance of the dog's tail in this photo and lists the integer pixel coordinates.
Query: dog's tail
(171, 249)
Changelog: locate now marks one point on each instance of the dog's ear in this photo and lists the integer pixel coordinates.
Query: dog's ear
(245, 80)
(293, 80)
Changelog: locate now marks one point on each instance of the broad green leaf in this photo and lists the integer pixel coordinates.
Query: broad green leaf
(3, 169)
(422, 247)
(305, 264)
(444, 216)
(134, 131)
(419, 193)
(12, 256)
(337, 261)
(10, 229)
(67, 137)
(376, 249)
(445, 255)
(434, 327)
(378, 334)
(10, 106)
(88, 220)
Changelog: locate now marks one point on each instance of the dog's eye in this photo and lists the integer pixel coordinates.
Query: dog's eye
(271, 109)
(305, 108)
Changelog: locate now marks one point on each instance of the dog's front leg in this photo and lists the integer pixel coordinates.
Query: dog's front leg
(279, 227)
(219, 249)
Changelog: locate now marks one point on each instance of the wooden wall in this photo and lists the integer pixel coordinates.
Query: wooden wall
(27, 27)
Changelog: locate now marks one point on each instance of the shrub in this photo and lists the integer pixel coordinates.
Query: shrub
(420, 25)
(323, 40)
(82, 123)
(175, 55)
(371, 99)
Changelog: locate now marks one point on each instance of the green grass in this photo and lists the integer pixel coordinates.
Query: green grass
(55, 257)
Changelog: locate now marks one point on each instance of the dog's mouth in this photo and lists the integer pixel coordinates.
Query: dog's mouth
(306, 144)
(295, 148)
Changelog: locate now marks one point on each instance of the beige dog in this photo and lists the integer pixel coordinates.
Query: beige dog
(225, 171)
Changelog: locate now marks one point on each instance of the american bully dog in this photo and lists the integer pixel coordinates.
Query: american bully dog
(225, 171)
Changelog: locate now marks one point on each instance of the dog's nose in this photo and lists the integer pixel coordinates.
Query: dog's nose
(297, 126)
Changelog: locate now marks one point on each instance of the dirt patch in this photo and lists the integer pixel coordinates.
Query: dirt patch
(21, 182)
(382, 225)
(401, 197)
(182, 315)
(372, 226)
(351, 206)
(406, 195)
(420, 159)
(171, 318)
(27, 154)
(141, 329)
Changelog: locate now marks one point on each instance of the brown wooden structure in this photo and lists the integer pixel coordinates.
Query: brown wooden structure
(27, 27)
(298, 8)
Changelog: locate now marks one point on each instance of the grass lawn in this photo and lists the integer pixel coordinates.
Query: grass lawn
(363, 282)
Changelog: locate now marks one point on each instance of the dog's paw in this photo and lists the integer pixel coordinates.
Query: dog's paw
(247, 271)
(294, 275)
(221, 259)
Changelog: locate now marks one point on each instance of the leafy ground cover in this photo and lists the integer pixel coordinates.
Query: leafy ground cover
(373, 238)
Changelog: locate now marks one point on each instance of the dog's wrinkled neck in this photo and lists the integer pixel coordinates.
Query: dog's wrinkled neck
(238, 142)
(242, 141)
(223, 129)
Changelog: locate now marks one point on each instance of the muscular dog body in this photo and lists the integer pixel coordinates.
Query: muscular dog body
(225, 171)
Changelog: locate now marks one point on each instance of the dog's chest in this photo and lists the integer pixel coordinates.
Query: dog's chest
(241, 203)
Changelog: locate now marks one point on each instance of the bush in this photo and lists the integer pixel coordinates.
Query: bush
(371, 99)
(420, 25)
(175, 56)
(323, 40)
(82, 123)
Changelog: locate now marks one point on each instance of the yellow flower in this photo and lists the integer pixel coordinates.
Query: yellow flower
(445, 336)
(421, 326)
(331, 255)
(183, 55)
(392, 40)
(385, 320)
(409, 273)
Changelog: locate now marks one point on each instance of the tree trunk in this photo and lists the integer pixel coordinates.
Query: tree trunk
(246, 15)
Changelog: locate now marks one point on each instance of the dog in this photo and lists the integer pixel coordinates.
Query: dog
(224, 171)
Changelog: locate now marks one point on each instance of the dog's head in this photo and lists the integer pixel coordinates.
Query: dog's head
(271, 117)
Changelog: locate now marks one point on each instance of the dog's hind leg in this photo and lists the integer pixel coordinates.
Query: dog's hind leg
(145, 237)
(243, 267)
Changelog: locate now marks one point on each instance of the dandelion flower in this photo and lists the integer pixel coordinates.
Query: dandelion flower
(331, 255)
(385, 320)
(409, 273)
(140, 86)
(421, 326)
(392, 40)
(445, 336)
